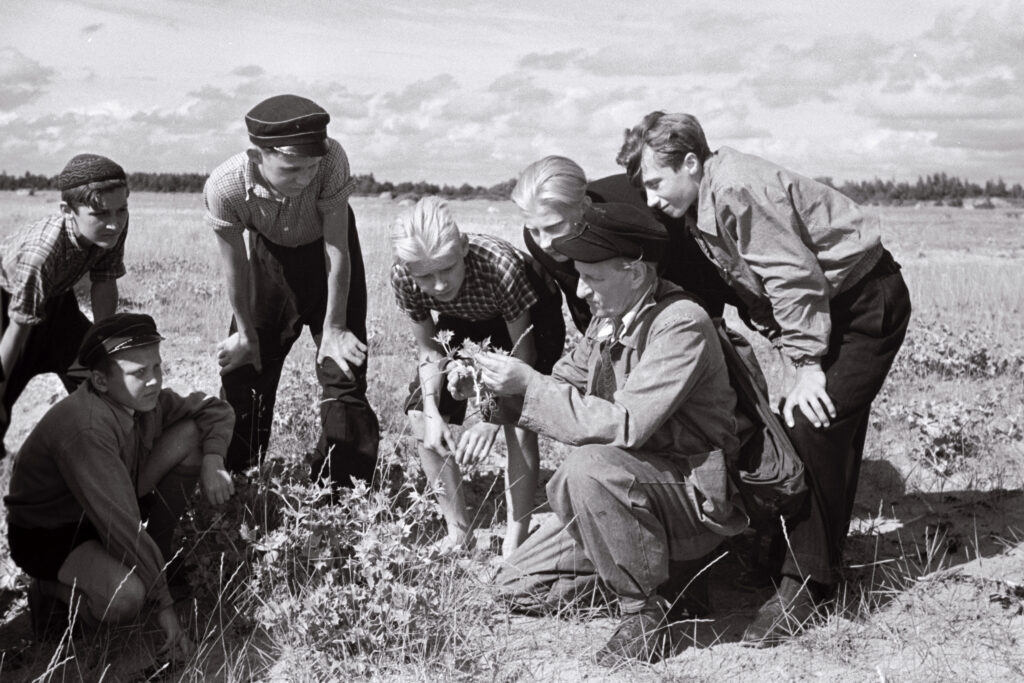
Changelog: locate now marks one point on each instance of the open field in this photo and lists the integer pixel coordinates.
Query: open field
(935, 565)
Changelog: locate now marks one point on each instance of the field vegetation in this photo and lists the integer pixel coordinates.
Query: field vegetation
(288, 586)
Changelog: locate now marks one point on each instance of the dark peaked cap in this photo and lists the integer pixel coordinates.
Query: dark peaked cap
(119, 332)
(88, 168)
(289, 121)
(613, 229)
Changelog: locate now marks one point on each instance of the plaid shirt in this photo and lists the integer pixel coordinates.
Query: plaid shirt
(495, 284)
(238, 198)
(46, 260)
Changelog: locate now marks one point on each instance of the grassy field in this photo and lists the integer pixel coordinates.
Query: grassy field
(288, 588)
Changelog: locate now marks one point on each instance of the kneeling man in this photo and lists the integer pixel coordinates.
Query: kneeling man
(81, 479)
(645, 398)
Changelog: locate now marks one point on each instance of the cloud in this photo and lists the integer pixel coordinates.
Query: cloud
(638, 59)
(22, 79)
(91, 28)
(248, 71)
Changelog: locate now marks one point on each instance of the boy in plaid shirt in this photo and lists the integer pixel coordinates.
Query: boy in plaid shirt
(481, 287)
(39, 267)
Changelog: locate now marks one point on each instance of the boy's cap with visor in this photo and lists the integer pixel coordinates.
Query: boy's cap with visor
(289, 121)
(119, 332)
(613, 229)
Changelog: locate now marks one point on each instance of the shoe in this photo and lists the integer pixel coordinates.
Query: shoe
(642, 636)
(786, 614)
(47, 614)
(686, 591)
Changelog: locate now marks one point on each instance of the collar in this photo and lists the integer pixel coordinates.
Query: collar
(606, 329)
(68, 225)
(255, 185)
(125, 416)
(707, 221)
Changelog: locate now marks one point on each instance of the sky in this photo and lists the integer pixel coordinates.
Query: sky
(473, 91)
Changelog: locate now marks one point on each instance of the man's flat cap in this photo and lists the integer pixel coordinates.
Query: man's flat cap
(119, 332)
(614, 229)
(289, 121)
(88, 168)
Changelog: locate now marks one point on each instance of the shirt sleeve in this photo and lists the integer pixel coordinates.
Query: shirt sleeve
(30, 286)
(337, 183)
(110, 266)
(768, 235)
(406, 294)
(214, 418)
(90, 464)
(220, 215)
(514, 293)
(673, 364)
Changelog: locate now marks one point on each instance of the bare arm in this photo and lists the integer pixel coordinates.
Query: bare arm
(522, 336)
(104, 299)
(242, 348)
(437, 436)
(338, 342)
(11, 346)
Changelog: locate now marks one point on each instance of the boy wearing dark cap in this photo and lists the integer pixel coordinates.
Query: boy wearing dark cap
(645, 399)
(39, 266)
(290, 192)
(83, 478)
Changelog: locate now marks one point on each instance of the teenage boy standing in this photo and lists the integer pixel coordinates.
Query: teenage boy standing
(304, 267)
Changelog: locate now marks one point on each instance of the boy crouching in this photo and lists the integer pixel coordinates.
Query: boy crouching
(76, 506)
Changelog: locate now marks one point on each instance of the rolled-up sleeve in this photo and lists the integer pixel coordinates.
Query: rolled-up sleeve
(214, 418)
(219, 214)
(768, 234)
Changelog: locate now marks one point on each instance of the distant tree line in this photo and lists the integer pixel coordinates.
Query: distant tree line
(193, 182)
(934, 187)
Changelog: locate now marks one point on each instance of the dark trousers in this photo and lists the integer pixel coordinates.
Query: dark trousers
(290, 291)
(52, 346)
(869, 322)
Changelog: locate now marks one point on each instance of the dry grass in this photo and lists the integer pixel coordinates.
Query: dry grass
(935, 565)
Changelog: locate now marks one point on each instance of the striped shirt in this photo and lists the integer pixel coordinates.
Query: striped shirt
(237, 198)
(495, 284)
(46, 260)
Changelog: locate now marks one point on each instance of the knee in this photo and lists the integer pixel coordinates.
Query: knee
(582, 470)
(187, 441)
(125, 603)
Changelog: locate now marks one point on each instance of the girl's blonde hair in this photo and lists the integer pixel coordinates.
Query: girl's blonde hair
(425, 231)
(554, 182)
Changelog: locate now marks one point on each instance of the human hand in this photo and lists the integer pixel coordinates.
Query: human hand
(475, 443)
(178, 646)
(460, 379)
(504, 375)
(808, 393)
(343, 347)
(215, 480)
(437, 435)
(238, 350)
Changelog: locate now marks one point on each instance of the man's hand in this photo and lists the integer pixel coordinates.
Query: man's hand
(344, 348)
(236, 351)
(504, 375)
(437, 435)
(216, 480)
(808, 393)
(178, 647)
(460, 379)
(475, 443)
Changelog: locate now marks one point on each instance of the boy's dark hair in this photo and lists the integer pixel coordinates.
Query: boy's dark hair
(89, 195)
(670, 136)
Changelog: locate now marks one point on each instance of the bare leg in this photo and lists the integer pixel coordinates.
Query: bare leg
(113, 593)
(444, 472)
(521, 476)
